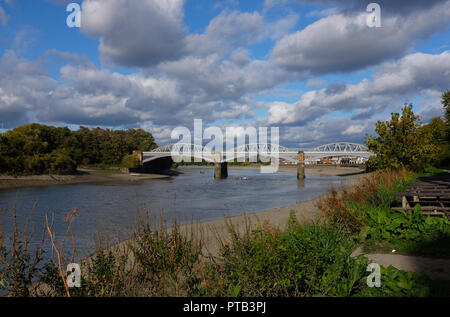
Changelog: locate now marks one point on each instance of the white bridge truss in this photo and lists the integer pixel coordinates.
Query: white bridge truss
(251, 151)
(338, 150)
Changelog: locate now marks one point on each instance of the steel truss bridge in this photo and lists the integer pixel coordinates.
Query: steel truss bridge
(251, 151)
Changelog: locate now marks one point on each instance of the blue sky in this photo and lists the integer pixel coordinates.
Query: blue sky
(314, 68)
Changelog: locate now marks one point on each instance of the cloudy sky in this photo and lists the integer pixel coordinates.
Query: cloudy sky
(311, 67)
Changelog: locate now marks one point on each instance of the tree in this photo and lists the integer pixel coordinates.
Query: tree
(438, 129)
(402, 142)
(40, 149)
(446, 104)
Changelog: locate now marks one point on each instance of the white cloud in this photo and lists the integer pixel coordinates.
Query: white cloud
(135, 33)
(404, 78)
(344, 43)
(354, 129)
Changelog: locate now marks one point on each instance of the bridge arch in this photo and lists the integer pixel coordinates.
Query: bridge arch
(341, 147)
(340, 150)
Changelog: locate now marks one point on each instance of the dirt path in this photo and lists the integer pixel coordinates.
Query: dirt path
(432, 267)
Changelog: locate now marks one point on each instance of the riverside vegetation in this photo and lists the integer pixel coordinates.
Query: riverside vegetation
(305, 259)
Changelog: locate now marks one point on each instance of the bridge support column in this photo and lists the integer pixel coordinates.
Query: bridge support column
(140, 156)
(220, 168)
(301, 166)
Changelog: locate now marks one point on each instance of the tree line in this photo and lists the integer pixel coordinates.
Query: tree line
(40, 149)
(404, 142)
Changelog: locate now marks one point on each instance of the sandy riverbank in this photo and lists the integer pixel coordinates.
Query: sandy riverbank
(84, 176)
(305, 211)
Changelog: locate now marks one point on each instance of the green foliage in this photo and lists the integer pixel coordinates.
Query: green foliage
(373, 221)
(108, 147)
(397, 283)
(402, 142)
(104, 275)
(446, 104)
(439, 130)
(130, 161)
(19, 268)
(408, 232)
(39, 149)
(167, 260)
(303, 260)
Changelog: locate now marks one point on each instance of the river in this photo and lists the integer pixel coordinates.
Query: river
(112, 207)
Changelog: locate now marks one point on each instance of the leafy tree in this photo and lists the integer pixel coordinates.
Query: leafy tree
(40, 149)
(401, 142)
(438, 130)
(446, 104)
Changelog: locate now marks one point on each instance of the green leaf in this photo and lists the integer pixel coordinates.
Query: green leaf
(236, 291)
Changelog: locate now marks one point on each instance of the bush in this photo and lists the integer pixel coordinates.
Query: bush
(130, 161)
(167, 259)
(303, 260)
(105, 274)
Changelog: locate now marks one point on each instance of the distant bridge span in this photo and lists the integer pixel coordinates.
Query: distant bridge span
(338, 149)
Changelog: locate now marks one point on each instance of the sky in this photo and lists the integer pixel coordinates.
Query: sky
(313, 68)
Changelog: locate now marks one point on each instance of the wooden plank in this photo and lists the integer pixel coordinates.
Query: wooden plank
(425, 208)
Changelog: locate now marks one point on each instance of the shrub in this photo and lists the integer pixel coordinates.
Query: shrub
(19, 264)
(167, 259)
(304, 260)
(130, 161)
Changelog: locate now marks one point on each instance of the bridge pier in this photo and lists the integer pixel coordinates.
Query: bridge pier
(220, 168)
(301, 166)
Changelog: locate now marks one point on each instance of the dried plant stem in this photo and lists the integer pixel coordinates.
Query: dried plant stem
(58, 255)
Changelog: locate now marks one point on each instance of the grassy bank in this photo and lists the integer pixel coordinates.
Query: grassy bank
(304, 259)
(365, 213)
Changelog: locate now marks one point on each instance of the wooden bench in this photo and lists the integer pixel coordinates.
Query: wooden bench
(433, 196)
